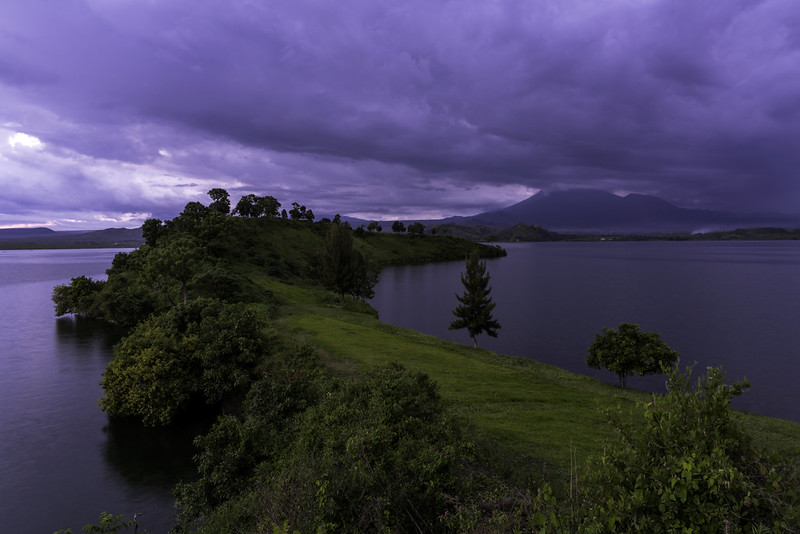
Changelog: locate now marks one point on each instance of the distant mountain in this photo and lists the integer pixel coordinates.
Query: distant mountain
(594, 211)
(25, 232)
(24, 238)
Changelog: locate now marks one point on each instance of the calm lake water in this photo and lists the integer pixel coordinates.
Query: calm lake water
(61, 462)
(718, 303)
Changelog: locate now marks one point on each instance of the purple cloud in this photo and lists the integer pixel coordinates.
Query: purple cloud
(413, 109)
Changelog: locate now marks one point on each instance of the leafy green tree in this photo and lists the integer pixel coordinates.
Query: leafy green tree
(475, 311)
(203, 350)
(152, 231)
(129, 296)
(221, 201)
(268, 206)
(178, 259)
(628, 351)
(255, 206)
(192, 216)
(398, 227)
(690, 467)
(416, 229)
(247, 206)
(79, 297)
(300, 213)
(374, 226)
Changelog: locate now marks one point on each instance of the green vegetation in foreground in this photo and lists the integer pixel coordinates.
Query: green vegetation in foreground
(331, 421)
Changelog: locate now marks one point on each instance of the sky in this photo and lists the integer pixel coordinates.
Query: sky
(115, 111)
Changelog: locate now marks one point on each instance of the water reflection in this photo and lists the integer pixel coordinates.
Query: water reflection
(82, 331)
(156, 457)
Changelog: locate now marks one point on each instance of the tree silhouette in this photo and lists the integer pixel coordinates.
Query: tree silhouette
(475, 311)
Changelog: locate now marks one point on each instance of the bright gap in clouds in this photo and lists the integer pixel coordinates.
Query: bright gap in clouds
(23, 139)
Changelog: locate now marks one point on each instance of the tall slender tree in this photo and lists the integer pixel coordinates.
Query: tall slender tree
(344, 269)
(475, 311)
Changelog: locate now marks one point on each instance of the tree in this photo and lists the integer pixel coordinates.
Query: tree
(398, 227)
(268, 206)
(299, 213)
(177, 259)
(374, 226)
(204, 349)
(152, 231)
(628, 351)
(416, 229)
(475, 311)
(79, 297)
(256, 206)
(344, 269)
(191, 217)
(246, 207)
(221, 201)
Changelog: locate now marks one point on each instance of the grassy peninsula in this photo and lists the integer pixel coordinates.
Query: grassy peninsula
(331, 421)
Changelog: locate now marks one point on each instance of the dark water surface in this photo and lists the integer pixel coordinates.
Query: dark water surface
(61, 462)
(735, 304)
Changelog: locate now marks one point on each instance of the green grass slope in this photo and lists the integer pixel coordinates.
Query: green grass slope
(535, 413)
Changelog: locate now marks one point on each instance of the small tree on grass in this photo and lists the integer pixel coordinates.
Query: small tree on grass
(628, 351)
(475, 311)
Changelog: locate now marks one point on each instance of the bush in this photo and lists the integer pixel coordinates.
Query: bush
(205, 349)
(235, 445)
(690, 468)
(376, 454)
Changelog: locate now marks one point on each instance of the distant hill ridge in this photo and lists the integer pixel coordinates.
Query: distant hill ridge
(25, 232)
(23, 238)
(595, 211)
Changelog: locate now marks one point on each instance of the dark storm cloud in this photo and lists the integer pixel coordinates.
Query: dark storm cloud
(414, 107)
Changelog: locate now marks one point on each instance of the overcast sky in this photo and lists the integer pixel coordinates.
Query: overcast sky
(113, 111)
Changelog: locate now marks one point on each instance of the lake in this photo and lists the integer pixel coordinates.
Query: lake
(61, 462)
(734, 304)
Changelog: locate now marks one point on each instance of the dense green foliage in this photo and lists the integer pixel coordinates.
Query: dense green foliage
(79, 297)
(627, 351)
(291, 381)
(691, 468)
(475, 311)
(375, 454)
(204, 350)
